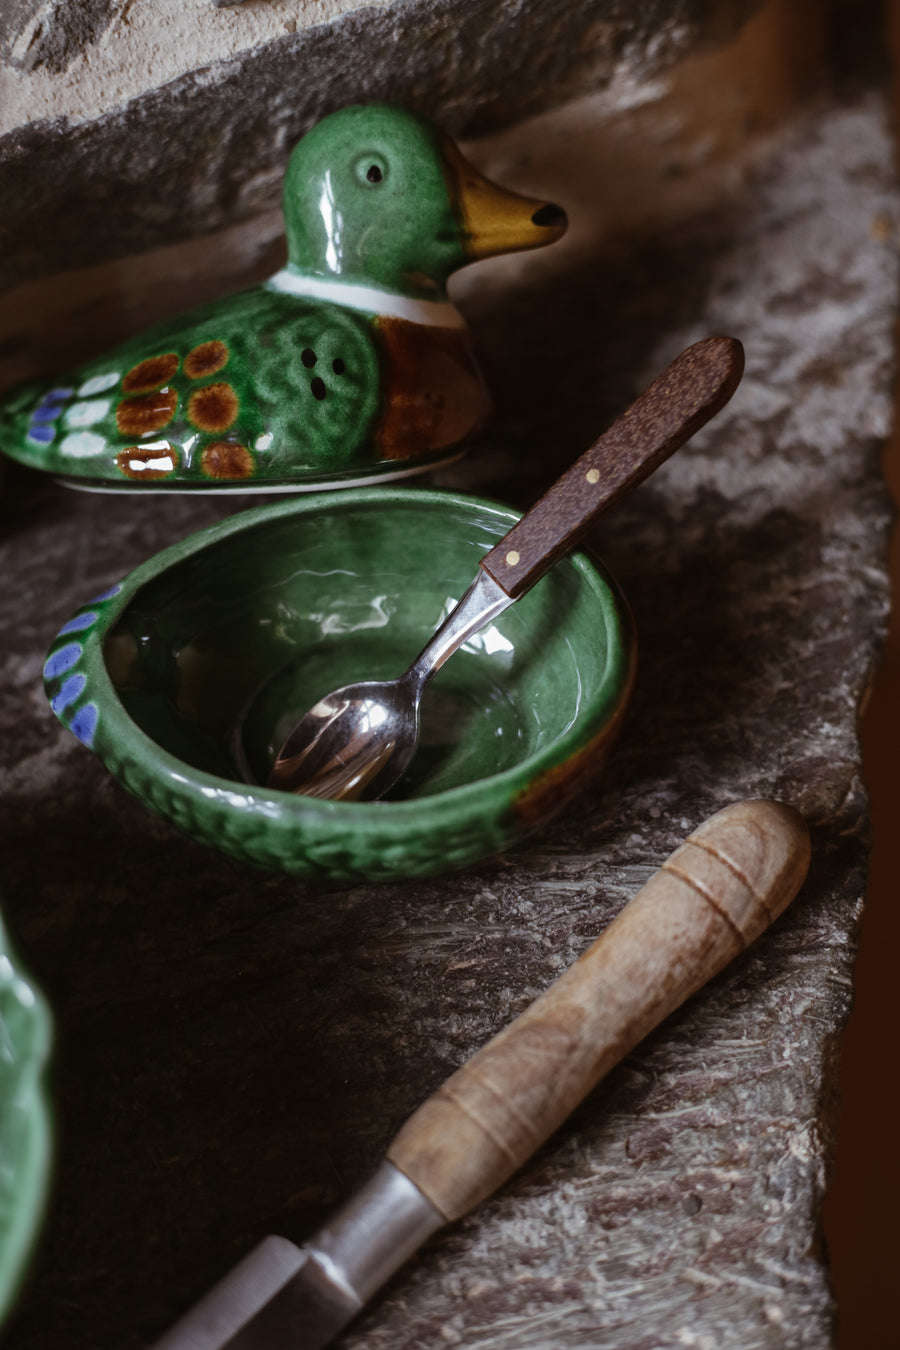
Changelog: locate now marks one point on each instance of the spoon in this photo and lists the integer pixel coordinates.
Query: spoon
(362, 736)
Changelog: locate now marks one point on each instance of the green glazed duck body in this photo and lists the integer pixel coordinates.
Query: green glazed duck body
(349, 364)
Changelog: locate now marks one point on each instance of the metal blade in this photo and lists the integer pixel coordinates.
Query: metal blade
(305, 1314)
(283, 1297)
(277, 1298)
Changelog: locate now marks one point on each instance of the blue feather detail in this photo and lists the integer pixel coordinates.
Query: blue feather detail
(42, 435)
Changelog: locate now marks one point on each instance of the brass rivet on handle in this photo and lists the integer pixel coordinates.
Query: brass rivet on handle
(512, 558)
(593, 475)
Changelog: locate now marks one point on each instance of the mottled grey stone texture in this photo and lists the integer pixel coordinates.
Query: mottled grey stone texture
(210, 147)
(58, 31)
(235, 1049)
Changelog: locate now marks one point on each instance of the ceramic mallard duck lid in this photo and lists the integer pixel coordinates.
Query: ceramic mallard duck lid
(350, 364)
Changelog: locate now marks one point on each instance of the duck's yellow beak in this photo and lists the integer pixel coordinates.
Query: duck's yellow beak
(493, 220)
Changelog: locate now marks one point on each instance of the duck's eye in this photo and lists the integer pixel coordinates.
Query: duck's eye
(371, 169)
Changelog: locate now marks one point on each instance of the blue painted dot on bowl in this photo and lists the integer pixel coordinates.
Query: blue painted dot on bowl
(84, 723)
(72, 689)
(56, 394)
(106, 595)
(79, 623)
(64, 659)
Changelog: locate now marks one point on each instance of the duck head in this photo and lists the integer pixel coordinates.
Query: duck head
(377, 195)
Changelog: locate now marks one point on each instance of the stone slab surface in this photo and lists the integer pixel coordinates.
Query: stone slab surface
(235, 1050)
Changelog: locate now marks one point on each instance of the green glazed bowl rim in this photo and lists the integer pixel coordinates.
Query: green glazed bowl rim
(391, 821)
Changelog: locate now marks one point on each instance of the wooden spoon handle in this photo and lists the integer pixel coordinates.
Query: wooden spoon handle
(692, 390)
(713, 896)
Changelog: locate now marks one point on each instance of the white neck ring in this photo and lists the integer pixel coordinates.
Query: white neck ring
(432, 313)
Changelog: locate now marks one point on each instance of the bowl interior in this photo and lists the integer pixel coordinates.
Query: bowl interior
(217, 657)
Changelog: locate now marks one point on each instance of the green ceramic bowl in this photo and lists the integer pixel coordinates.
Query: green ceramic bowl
(186, 678)
(25, 1134)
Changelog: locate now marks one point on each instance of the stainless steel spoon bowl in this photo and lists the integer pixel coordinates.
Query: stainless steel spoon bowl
(361, 738)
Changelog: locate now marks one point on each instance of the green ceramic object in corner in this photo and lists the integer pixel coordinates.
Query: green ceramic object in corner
(187, 676)
(25, 1143)
(348, 364)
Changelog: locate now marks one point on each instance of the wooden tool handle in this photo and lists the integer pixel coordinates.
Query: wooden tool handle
(692, 390)
(715, 894)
